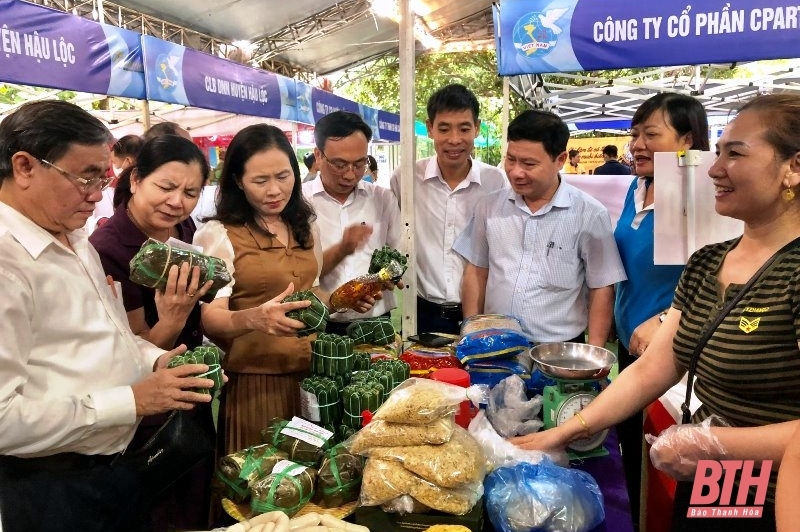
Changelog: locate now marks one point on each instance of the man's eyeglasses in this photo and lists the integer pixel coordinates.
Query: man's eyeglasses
(85, 185)
(341, 166)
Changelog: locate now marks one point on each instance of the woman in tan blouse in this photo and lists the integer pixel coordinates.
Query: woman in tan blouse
(264, 231)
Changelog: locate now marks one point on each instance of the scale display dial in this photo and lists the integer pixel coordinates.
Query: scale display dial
(570, 406)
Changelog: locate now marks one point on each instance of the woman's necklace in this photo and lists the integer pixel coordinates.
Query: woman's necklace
(168, 232)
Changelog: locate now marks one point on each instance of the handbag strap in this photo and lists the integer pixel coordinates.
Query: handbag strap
(686, 414)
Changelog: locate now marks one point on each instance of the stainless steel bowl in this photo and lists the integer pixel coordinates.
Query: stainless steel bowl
(572, 361)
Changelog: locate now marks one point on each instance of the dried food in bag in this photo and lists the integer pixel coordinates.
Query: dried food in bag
(481, 322)
(150, 266)
(421, 401)
(383, 478)
(288, 488)
(453, 464)
(490, 344)
(384, 434)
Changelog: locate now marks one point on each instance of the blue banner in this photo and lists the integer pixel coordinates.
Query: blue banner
(385, 126)
(542, 36)
(47, 48)
(176, 74)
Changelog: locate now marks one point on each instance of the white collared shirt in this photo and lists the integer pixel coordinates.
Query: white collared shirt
(542, 264)
(68, 357)
(368, 203)
(440, 215)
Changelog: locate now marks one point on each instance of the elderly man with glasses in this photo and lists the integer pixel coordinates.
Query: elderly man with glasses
(74, 380)
(355, 217)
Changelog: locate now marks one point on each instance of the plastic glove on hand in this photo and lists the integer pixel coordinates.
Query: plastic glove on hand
(678, 448)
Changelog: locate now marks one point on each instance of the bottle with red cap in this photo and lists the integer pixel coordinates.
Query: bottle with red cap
(458, 377)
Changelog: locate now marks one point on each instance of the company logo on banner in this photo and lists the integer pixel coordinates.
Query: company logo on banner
(712, 491)
(536, 34)
(540, 36)
(48, 48)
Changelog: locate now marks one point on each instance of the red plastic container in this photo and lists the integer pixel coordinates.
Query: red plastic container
(458, 377)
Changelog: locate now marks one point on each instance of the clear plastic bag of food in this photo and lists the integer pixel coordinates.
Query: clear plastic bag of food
(490, 344)
(510, 411)
(385, 480)
(499, 451)
(454, 464)
(404, 505)
(526, 497)
(380, 433)
(480, 322)
(421, 401)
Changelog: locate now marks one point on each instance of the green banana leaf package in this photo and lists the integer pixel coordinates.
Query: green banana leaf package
(359, 397)
(362, 361)
(372, 331)
(288, 488)
(209, 355)
(375, 376)
(331, 355)
(381, 258)
(150, 266)
(305, 442)
(238, 471)
(315, 316)
(320, 402)
(339, 478)
(398, 369)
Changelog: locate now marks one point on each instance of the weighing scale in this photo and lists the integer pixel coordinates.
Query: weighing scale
(576, 368)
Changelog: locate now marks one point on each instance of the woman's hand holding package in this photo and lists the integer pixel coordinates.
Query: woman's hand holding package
(270, 317)
(678, 448)
(180, 295)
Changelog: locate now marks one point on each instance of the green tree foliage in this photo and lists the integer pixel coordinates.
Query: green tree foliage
(476, 70)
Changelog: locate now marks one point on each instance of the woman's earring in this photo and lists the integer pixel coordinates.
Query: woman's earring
(788, 194)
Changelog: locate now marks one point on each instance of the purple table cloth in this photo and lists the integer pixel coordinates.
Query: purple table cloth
(610, 476)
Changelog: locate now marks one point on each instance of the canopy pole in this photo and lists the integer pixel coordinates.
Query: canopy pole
(146, 115)
(690, 159)
(504, 117)
(407, 159)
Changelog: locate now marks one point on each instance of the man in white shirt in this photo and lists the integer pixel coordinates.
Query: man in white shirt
(543, 251)
(355, 217)
(74, 380)
(446, 189)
